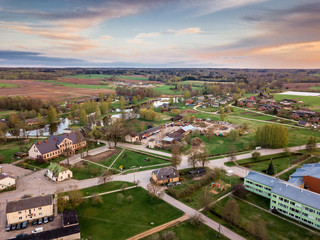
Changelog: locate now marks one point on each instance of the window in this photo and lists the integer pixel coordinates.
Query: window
(40, 214)
(19, 212)
(20, 218)
(39, 208)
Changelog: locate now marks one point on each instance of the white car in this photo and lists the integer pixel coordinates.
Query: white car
(36, 230)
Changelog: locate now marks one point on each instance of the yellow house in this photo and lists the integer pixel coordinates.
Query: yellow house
(6, 181)
(29, 209)
(165, 175)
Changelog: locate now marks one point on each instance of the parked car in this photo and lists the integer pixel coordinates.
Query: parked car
(18, 226)
(13, 227)
(170, 185)
(24, 224)
(177, 183)
(45, 220)
(39, 221)
(20, 235)
(36, 230)
(8, 227)
(51, 218)
(35, 223)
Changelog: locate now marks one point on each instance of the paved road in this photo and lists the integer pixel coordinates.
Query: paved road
(36, 184)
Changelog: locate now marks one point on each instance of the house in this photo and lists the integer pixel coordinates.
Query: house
(152, 143)
(308, 177)
(314, 120)
(29, 209)
(6, 181)
(149, 132)
(55, 146)
(249, 105)
(176, 118)
(189, 101)
(288, 199)
(132, 137)
(58, 173)
(165, 175)
(303, 123)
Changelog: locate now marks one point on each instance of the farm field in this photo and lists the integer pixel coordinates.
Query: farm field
(67, 84)
(120, 220)
(101, 76)
(51, 91)
(276, 228)
(8, 85)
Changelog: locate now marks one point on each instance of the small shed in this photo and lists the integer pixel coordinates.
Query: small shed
(152, 143)
(197, 172)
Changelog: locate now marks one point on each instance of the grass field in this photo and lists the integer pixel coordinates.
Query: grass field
(276, 228)
(165, 90)
(8, 85)
(187, 231)
(8, 149)
(66, 84)
(109, 186)
(87, 171)
(308, 101)
(129, 159)
(6, 113)
(252, 115)
(285, 176)
(101, 76)
(112, 220)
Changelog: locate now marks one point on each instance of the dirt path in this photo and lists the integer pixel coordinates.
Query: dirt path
(160, 228)
(116, 158)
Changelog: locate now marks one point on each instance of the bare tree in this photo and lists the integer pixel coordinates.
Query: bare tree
(115, 132)
(154, 190)
(175, 157)
(193, 158)
(106, 176)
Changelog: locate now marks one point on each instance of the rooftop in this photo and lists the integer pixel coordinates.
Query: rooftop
(29, 203)
(55, 168)
(263, 179)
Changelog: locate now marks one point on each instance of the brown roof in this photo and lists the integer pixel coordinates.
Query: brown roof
(4, 175)
(29, 203)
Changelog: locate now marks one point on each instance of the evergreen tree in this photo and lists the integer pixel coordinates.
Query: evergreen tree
(270, 170)
(222, 114)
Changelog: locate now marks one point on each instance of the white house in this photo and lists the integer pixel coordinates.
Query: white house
(58, 173)
(6, 181)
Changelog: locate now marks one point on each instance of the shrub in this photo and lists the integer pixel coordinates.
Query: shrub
(256, 155)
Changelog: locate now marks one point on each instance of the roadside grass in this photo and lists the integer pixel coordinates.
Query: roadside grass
(113, 220)
(209, 109)
(8, 85)
(11, 147)
(285, 176)
(187, 231)
(247, 114)
(276, 228)
(195, 200)
(129, 159)
(67, 84)
(106, 187)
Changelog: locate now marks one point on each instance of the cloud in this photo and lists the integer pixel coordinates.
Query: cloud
(189, 31)
(23, 58)
(107, 37)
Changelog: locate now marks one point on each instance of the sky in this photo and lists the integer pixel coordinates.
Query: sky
(160, 33)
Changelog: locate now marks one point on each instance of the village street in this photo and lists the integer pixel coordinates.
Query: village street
(36, 183)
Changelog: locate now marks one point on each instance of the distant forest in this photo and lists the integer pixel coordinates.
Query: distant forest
(172, 75)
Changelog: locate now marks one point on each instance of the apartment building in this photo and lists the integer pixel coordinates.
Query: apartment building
(292, 201)
(29, 209)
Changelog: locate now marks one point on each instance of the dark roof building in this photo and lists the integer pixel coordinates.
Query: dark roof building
(29, 203)
(165, 173)
(69, 218)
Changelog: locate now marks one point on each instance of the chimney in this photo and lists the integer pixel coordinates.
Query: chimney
(55, 138)
(45, 141)
(0, 169)
(39, 143)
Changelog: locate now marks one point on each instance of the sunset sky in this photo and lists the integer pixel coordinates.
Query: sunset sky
(160, 33)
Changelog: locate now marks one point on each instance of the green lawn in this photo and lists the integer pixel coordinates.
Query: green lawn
(285, 176)
(276, 227)
(8, 85)
(165, 90)
(109, 186)
(129, 159)
(112, 220)
(187, 231)
(308, 101)
(8, 149)
(89, 170)
(247, 114)
(6, 113)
